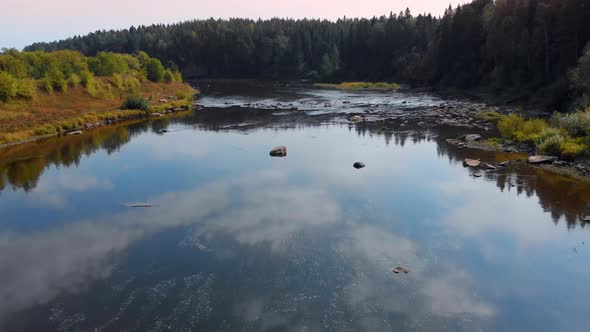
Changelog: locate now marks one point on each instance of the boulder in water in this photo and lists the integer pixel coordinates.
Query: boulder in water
(359, 165)
(471, 162)
(279, 151)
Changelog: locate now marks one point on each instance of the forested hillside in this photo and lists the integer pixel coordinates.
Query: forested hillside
(519, 49)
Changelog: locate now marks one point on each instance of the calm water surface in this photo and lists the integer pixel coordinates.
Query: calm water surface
(239, 241)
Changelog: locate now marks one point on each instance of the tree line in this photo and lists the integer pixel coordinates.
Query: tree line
(523, 49)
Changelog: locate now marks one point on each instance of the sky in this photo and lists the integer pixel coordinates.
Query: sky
(23, 22)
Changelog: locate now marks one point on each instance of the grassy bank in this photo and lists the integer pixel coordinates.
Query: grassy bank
(563, 135)
(380, 86)
(50, 93)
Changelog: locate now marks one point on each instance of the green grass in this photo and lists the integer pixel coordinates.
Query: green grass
(382, 86)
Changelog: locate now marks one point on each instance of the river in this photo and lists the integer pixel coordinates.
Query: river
(234, 240)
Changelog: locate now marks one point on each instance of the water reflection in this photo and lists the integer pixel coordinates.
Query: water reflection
(21, 167)
(306, 229)
(238, 239)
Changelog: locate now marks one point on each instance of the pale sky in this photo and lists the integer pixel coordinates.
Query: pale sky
(23, 22)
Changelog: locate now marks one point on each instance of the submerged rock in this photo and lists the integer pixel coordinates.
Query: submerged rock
(138, 205)
(359, 165)
(471, 162)
(400, 269)
(279, 151)
(541, 159)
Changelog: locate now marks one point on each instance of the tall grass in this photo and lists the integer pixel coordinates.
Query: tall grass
(565, 135)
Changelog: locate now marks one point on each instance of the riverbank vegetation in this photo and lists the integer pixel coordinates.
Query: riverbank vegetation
(563, 135)
(44, 93)
(379, 86)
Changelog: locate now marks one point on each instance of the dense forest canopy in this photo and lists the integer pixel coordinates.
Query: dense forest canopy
(522, 48)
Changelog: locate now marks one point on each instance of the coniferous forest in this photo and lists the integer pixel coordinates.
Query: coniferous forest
(517, 50)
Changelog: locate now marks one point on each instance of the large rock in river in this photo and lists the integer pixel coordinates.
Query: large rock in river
(471, 162)
(359, 165)
(541, 159)
(279, 151)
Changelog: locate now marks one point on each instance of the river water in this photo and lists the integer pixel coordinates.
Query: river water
(235, 240)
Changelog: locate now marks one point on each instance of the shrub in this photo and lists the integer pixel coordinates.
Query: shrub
(26, 89)
(509, 125)
(118, 81)
(155, 70)
(532, 130)
(57, 80)
(85, 77)
(45, 85)
(108, 63)
(576, 124)
(516, 127)
(74, 80)
(572, 149)
(132, 84)
(551, 145)
(8, 87)
(168, 76)
(177, 76)
(135, 103)
(90, 83)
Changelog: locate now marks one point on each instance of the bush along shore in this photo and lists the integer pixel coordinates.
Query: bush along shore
(63, 92)
(558, 143)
